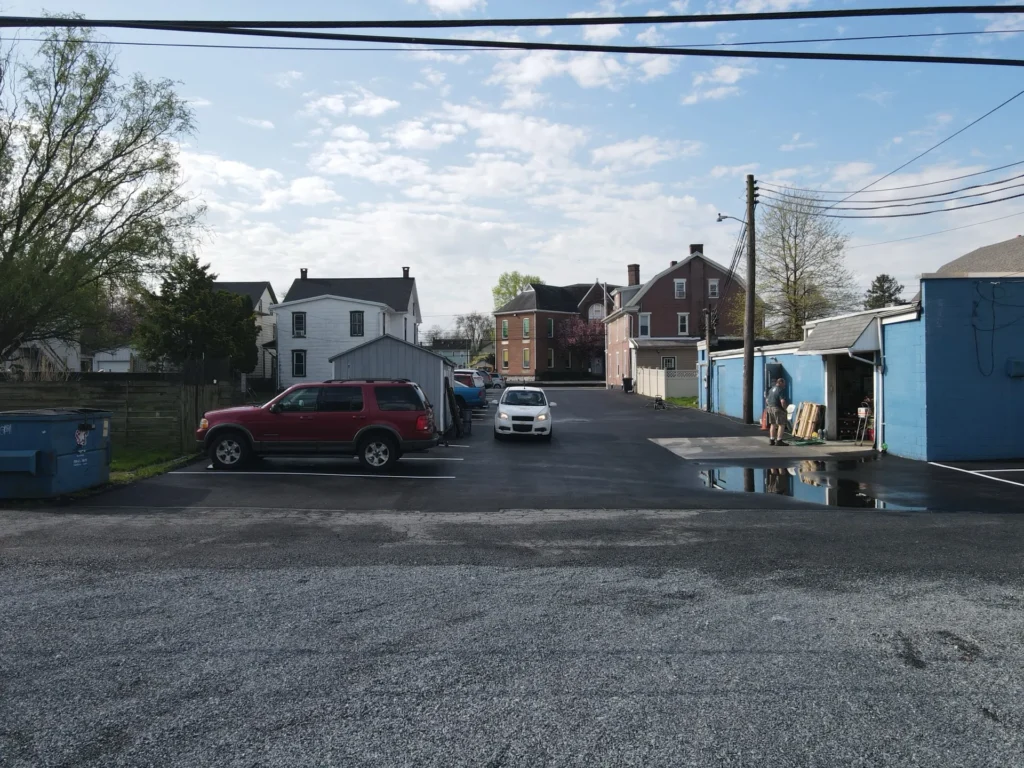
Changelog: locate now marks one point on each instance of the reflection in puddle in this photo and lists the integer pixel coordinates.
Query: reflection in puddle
(817, 482)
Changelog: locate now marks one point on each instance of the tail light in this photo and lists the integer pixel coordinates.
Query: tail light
(422, 423)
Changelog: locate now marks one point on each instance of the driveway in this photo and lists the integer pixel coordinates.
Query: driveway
(316, 617)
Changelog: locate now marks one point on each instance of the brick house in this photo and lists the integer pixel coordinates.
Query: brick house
(657, 324)
(526, 330)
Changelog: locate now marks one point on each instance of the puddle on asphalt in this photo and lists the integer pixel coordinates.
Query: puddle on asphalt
(817, 482)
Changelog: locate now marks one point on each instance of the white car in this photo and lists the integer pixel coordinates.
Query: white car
(523, 411)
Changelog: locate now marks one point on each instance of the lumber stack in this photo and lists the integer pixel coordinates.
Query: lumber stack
(809, 417)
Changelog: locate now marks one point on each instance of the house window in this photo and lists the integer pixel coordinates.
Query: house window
(551, 327)
(668, 363)
(684, 323)
(568, 360)
(299, 363)
(504, 329)
(355, 323)
(551, 358)
(645, 325)
(596, 312)
(526, 327)
(299, 324)
(504, 358)
(680, 288)
(713, 288)
(526, 358)
(618, 364)
(406, 336)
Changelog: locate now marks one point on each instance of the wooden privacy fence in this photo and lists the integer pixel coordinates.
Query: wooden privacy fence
(148, 412)
(656, 382)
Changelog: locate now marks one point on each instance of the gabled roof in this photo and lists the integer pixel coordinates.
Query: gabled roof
(387, 337)
(1005, 257)
(394, 292)
(639, 295)
(548, 298)
(253, 290)
(843, 332)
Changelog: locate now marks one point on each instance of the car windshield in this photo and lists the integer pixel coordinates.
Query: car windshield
(520, 397)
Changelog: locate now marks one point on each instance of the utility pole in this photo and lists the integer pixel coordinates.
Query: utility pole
(707, 359)
(748, 314)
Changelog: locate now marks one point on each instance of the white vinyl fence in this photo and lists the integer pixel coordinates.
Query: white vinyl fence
(655, 382)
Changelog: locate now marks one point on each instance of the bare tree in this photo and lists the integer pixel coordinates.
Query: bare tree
(433, 332)
(801, 272)
(477, 327)
(91, 190)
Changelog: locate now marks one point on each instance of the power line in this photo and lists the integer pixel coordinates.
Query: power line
(897, 203)
(393, 49)
(916, 213)
(931, 148)
(536, 46)
(930, 10)
(939, 232)
(892, 189)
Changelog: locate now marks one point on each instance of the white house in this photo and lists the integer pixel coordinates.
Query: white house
(263, 299)
(323, 317)
(119, 360)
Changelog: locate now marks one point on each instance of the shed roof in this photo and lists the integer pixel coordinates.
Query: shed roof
(844, 331)
(1004, 257)
(389, 338)
(394, 292)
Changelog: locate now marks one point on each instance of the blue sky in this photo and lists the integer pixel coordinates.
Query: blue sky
(462, 165)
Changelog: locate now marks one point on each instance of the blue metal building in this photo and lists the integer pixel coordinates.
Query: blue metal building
(945, 374)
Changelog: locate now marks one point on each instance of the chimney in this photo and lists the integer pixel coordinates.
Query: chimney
(672, 263)
(405, 271)
(302, 273)
(696, 248)
(633, 272)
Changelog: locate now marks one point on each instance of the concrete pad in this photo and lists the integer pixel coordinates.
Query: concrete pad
(743, 448)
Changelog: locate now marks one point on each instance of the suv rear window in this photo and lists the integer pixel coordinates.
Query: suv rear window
(343, 399)
(398, 399)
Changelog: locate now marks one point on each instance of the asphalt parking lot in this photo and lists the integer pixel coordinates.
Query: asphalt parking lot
(516, 607)
(602, 456)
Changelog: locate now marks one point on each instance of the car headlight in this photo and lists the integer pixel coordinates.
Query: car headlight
(204, 424)
(503, 416)
(542, 417)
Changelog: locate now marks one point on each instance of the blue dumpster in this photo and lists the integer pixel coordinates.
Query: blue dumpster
(50, 451)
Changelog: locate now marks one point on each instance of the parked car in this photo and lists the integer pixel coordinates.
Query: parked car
(469, 391)
(523, 411)
(488, 381)
(376, 420)
(497, 381)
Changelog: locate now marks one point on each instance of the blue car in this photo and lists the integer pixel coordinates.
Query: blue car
(470, 390)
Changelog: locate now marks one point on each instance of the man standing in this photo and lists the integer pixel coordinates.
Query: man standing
(775, 401)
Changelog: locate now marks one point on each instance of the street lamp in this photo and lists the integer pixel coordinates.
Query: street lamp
(722, 217)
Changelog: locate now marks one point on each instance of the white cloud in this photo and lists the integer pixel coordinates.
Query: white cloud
(1003, 22)
(413, 134)
(287, 79)
(643, 152)
(712, 94)
(360, 102)
(455, 6)
(879, 96)
(759, 6)
(522, 74)
(847, 172)
(795, 144)
(433, 76)
(199, 103)
(722, 80)
(349, 133)
(654, 66)
(451, 58)
(728, 171)
(554, 142)
(651, 36)
(255, 122)
(367, 160)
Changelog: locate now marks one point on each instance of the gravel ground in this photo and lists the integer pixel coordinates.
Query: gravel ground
(528, 638)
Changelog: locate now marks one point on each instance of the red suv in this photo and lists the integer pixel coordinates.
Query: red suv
(376, 420)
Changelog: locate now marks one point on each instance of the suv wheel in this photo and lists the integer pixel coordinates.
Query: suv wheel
(229, 450)
(378, 452)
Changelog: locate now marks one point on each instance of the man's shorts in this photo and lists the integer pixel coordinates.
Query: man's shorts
(776, 416)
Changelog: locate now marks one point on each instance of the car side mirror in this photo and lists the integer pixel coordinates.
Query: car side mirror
(275, 408)
(552, 405)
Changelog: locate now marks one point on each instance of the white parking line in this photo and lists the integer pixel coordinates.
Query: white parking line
(317, 474)
(989, 471)
(432, 458)
(976, 473)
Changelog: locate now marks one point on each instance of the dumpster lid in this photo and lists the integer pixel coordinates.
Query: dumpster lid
(52, 414)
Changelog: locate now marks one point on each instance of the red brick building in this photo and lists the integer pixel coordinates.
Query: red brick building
(657, 324)
(527, 329)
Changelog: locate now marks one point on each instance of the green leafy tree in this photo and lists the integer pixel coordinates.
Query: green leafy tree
(190, 320)
(91, 198)
(885, 291)
(510, 285)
